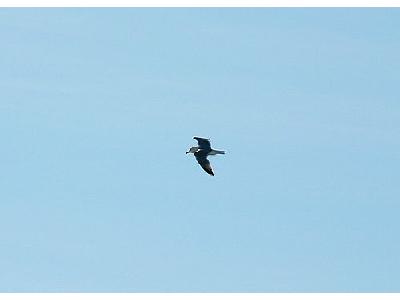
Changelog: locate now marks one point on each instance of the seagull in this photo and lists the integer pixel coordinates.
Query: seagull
(202, 151)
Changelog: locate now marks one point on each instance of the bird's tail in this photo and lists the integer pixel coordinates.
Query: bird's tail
(219, 152)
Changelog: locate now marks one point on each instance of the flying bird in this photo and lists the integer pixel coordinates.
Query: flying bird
(202, 151)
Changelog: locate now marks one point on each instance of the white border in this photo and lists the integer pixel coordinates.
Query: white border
(197, 296)
(200, 3)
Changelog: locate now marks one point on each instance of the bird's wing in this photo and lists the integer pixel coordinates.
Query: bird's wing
(203, 143)
(201, 157)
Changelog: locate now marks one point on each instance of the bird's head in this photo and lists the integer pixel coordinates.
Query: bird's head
(192, 150)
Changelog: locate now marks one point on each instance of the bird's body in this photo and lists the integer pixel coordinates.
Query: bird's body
(202, 151)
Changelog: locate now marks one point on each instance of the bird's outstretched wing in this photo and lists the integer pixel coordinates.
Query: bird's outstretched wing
(201, 157)
(203, 143)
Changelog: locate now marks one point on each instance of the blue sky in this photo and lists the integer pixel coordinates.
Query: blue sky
(97, 109)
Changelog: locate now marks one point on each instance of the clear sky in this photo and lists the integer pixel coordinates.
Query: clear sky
(97, 109)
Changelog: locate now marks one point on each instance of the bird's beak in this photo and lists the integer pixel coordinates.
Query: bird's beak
(187, 152)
